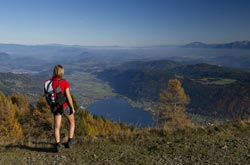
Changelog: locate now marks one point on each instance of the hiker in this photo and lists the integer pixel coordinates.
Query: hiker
(60, 90)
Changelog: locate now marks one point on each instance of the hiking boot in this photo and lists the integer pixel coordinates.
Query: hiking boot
(70, 143)
(59, 147)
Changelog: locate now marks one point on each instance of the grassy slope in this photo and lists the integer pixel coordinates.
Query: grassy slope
(211, 145)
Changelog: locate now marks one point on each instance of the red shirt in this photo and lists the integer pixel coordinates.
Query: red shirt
(64, 84)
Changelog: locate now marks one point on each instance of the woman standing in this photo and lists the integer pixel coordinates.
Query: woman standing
(66, 108)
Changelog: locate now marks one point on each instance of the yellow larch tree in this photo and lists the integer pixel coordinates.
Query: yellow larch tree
(10, 128)
(170, 113)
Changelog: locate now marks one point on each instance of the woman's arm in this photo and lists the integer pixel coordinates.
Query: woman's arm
(69, 98)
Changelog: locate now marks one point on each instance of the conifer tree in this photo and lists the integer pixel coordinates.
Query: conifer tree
(21, 101)
(10, 128)
(172, 106)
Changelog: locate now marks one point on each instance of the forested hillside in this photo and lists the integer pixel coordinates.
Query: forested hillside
(213, 90)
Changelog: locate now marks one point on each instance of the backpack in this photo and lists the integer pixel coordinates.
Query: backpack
(54, 97)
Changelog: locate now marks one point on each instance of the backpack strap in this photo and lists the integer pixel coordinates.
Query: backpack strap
(49, 85)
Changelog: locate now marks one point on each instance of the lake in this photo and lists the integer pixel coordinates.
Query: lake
(118, 109)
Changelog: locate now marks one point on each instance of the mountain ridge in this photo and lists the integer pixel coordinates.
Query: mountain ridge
(231, 45)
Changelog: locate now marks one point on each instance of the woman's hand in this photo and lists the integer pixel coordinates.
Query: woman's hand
(73, 111)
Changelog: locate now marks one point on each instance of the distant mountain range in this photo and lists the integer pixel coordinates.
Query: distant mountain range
(232, 45)
(29, 49)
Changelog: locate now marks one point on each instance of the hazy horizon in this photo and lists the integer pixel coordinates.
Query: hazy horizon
(118, 46)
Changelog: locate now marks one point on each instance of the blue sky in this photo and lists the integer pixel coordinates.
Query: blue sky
(123, 22)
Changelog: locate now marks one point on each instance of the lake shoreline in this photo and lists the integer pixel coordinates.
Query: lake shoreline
(118, 109)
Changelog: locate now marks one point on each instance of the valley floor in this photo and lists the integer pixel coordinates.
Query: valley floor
(213, 145)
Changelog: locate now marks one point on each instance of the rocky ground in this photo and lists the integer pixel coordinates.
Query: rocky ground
(214, 145)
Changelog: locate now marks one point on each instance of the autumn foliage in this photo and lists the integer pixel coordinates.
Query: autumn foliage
(91, 125)
(170, 113)
(10, 128)
(21, 121)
